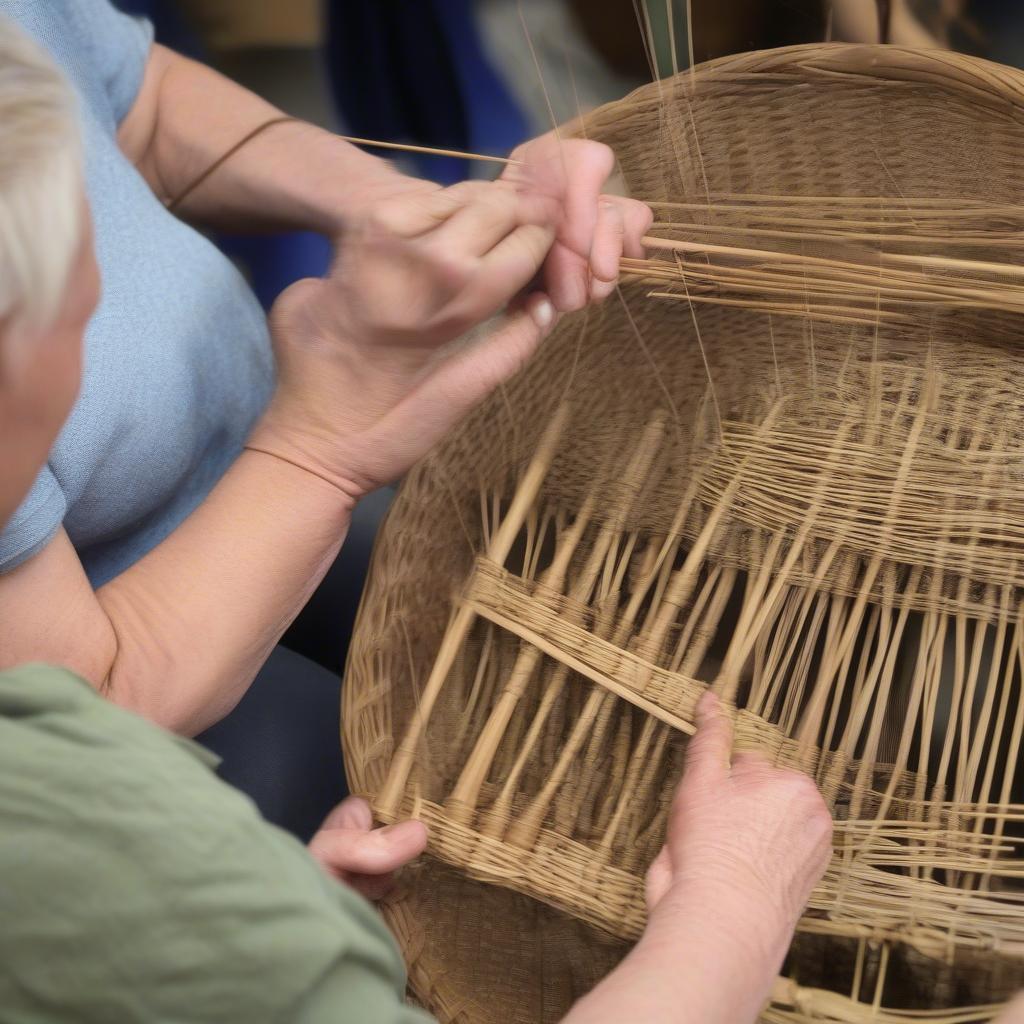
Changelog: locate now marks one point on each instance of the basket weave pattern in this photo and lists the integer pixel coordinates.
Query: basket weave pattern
(789, 464)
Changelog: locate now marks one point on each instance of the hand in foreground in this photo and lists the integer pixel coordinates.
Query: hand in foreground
(746, 841)
(593, 229)
(745, 845)
(368, 377)
(364, 857)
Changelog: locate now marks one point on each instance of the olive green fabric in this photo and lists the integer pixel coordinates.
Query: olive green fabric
(135, 886)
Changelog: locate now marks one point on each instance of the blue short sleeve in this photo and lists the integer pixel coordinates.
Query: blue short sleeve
(162, 413)
(118, 46)
(35, 522)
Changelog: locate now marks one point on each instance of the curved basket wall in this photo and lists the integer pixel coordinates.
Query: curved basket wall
(786, 464)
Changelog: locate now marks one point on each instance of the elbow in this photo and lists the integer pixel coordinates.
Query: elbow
(138, 675)
(166, 689)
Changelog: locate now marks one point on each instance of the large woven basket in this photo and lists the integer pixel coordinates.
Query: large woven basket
(787, 464)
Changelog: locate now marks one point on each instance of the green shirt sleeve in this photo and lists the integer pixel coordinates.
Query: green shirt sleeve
(134, 886)
(346, 985)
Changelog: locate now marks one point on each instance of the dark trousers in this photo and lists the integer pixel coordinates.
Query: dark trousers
(282, 744)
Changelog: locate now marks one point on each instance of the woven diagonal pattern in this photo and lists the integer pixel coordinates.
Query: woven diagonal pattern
(787, 464)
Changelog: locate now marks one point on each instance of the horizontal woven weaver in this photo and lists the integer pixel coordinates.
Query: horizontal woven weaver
(787, 463)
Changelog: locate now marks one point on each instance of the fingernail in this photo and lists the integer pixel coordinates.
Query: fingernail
(543, 313)
(600, 290)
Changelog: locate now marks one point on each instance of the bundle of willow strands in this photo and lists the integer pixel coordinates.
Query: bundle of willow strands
(875, 285)
(800, 483)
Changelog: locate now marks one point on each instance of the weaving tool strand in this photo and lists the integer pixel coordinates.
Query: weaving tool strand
(174, 203)
(832, 538)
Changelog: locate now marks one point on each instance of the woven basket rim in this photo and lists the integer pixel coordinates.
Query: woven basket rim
(976, 77)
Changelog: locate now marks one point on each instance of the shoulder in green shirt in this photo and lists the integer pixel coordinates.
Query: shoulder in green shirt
(135, 886)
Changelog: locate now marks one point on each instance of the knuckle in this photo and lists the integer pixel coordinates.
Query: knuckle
(402, 215)
(498, 206)
(470, 191)
(301, 292)
(701, 742)
(452, 270)
(523, 149)
(756, 760)
(295, 300)
(446, 264)
(385, 217)
(799, 785)
(532, 245)
(821, 823)
(598, 153)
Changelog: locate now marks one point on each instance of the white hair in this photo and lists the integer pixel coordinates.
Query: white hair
(40, 181)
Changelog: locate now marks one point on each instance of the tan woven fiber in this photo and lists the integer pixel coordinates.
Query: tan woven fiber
(789, 464)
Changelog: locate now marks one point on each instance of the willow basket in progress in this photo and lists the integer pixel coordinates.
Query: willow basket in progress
(788, 465)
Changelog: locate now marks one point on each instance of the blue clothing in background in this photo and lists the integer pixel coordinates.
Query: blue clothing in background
(418, 73)
(177, 358)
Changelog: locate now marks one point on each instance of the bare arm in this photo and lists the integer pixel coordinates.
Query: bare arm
(367, 382)
(293, 176)
(746, 844)
(687, 969)
(296, 175)
(181, 634)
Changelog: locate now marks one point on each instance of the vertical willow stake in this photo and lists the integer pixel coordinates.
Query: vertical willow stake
(390, 795)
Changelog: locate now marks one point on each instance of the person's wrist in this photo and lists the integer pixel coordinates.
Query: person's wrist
(345, 181)
(321, 454)
(739, 915)
(714, 946)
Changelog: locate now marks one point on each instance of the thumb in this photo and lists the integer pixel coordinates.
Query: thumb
(453, 387)
(369, 853)
(496, 352)
(709, 752)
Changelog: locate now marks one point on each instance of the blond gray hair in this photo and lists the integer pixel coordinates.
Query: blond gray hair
(40, 181)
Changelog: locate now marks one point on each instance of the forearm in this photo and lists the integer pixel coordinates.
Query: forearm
(195, 618)
(292, 176)
(695, 964)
